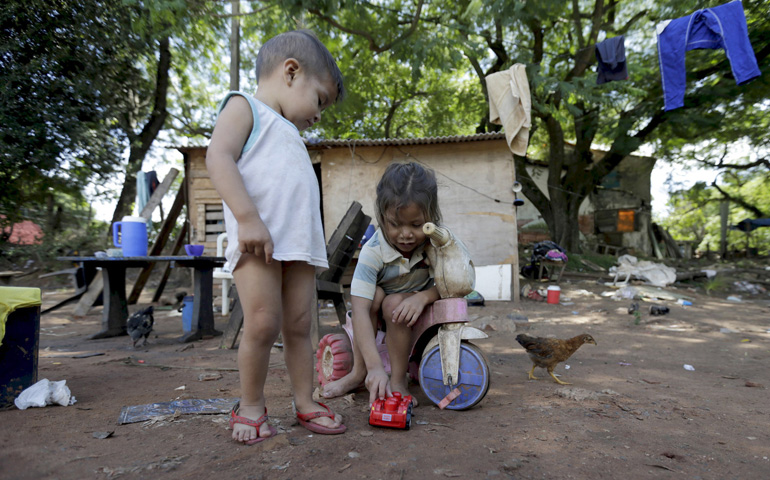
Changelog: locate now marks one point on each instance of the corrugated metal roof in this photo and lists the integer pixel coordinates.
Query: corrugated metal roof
(366, 142)
(374, 142)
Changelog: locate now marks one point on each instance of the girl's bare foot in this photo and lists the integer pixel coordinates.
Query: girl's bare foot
(348, 383)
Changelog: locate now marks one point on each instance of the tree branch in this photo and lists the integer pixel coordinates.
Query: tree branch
(373, 46)
(584, 55)
(740, 201)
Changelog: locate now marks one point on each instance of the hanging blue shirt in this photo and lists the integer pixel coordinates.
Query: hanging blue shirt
(719, 27)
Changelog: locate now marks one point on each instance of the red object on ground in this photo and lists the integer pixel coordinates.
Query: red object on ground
(553, 294)
(392, 412)
(334, 357)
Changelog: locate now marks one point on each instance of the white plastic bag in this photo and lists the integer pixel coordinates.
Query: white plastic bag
(45, 393)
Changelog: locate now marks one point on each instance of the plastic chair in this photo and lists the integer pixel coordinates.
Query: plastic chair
(226, 277)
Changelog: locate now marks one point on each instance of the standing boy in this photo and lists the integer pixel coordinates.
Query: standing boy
(258, 163)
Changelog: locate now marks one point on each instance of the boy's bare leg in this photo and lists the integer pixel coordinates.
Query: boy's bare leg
(298, 287)
(259, 291)
(356, 377)
(398, 339)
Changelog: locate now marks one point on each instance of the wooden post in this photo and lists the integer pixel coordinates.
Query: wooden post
(157, 247)
(724, 213)
(515, 289)
(235, 47)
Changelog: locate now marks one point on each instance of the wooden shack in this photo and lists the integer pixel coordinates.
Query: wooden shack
(475, 174)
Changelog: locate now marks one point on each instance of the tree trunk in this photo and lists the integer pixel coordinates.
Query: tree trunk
(141, 143)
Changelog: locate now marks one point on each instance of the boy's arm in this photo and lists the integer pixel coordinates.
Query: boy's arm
(377, 381)
(231, 131)
(410, 309)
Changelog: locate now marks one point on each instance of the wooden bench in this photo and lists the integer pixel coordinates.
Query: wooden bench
(7, 276)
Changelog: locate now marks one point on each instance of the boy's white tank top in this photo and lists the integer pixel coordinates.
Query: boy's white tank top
(280, 179)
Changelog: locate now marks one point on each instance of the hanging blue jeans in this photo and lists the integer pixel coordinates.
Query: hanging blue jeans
(712, 28)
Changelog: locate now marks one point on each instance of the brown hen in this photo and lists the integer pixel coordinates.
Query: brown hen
(549, 352)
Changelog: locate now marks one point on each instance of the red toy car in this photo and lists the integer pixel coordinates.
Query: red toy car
(393, 412)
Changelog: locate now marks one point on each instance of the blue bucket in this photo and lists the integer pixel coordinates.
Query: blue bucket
(130, 234)
(187, 313)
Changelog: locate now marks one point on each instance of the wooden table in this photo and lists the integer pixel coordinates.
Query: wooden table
(115, 311)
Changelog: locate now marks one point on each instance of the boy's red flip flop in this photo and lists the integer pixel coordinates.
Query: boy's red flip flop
(252, 423)
(304, 420)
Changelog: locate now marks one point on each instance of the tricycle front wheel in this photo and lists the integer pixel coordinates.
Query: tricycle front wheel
(473, 382)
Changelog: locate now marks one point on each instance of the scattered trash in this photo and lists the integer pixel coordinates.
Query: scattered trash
(625, 293)
(528, 292)
(354, 454)
(45, 392)
(583, 293)
(746, 340)
(102, 435)
(689, 367)
(624, 364)
(205, 377)
(180, 388)
(684, 303)
(726, 330)
(633, 308)
(658, 310)
(87, 355)
(140, 413)
(566, 367)
(475, 299)
(657, 274)
(744, 286)
(734, 298)
(518, 318)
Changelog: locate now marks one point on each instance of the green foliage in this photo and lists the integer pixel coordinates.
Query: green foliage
(78, 84)
(695, 212)
(717, 284)
(59, 71)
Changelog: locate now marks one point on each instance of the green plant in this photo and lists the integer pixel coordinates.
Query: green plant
(716, 284)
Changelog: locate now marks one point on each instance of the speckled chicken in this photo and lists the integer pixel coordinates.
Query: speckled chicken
(139, 325)
(549, 352)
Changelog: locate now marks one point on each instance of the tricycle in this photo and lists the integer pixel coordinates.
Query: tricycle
(452, 372)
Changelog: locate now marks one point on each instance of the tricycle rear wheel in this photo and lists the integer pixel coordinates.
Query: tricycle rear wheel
(334, 357)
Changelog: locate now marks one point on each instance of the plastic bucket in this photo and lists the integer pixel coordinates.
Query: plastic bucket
(187, 313)
(19, 351)
(554, 292)
(130, 234)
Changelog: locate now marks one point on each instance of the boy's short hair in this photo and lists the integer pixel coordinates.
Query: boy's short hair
(305, 47)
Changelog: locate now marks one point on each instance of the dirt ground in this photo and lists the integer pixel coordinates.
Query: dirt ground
(633, 409)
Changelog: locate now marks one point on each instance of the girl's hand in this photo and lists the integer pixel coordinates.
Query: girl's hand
(253, 237)
(378, 383)
(409, 310)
